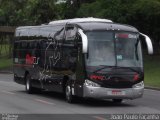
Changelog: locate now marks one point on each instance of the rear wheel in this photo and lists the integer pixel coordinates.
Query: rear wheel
(29, 88)
(117, 100)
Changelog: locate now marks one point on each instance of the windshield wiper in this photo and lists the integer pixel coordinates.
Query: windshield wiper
(103, 68)
(116, 67)
(119, 67)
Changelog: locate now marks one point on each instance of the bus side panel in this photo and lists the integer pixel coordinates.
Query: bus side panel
(69, 58)
(18, 63)
(25, 61)
(80, 74)
(19, 75)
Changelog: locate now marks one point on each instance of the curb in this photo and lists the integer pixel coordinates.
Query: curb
(6, 72)
(152, 88)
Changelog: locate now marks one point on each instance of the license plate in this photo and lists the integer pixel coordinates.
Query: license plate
(116, 92)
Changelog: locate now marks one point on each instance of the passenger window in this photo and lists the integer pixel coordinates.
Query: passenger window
(79, 40)
(19, 46)
(24, 45)
(32, 45)
(16, 45)
(60, 35)
(43, 45)
(70, 33)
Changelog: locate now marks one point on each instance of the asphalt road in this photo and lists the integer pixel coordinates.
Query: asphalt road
(14, 100)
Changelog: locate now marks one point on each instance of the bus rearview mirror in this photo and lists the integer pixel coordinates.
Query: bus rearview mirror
(84, 41)
(149, 43)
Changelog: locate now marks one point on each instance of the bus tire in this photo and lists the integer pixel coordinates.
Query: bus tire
(29, 88)
(68, 93)
(117, 100)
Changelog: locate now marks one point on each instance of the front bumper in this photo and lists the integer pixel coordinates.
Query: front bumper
(105, 93)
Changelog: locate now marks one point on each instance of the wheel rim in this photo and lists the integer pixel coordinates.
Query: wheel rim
(68, 93)
(27, 85)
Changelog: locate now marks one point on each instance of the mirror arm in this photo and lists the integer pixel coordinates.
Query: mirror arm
(84, 41)
(149, 43)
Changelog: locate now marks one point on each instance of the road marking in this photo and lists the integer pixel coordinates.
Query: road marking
(151, 90)
(99, 118)
(11, 93)
(45, 102)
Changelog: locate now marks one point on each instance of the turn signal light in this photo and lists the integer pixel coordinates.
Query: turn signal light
(136, 77)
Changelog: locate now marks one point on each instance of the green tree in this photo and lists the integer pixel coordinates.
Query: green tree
(11, 12)
(72, 6)
(116, 10)
(41, 11)
(143, 14)
(27, 12)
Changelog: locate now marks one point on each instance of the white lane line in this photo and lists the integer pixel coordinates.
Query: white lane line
(151, 90)
(7, 92)
(45, 102)
(99, 118)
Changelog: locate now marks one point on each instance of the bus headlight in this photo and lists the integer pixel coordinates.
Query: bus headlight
(91, 83)
(139, 85)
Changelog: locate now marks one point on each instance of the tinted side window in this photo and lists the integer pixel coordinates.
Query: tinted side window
(60, 35)
(70, 33)
(24, 45)
(16, 45)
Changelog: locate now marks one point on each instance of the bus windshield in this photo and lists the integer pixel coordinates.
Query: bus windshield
(108, 48)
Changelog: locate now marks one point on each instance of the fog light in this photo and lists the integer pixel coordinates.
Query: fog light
(139, 85)
(91, 83)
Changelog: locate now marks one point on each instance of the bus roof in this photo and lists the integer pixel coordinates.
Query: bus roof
(86, 24)
(106, 26)
(42, 30)
(77, 20)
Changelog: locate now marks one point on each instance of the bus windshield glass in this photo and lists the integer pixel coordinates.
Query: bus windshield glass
(107, 48)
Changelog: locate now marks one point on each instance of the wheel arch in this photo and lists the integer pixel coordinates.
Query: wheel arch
(65, 79)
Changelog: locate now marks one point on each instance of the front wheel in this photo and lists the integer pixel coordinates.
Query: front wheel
(68, 93)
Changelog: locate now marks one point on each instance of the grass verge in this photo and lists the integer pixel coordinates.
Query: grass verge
(5, 63)
(152, 71)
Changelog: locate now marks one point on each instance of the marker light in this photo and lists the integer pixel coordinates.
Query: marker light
(136, 77)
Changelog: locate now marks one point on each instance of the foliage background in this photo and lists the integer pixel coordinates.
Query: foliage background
(143, 14)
